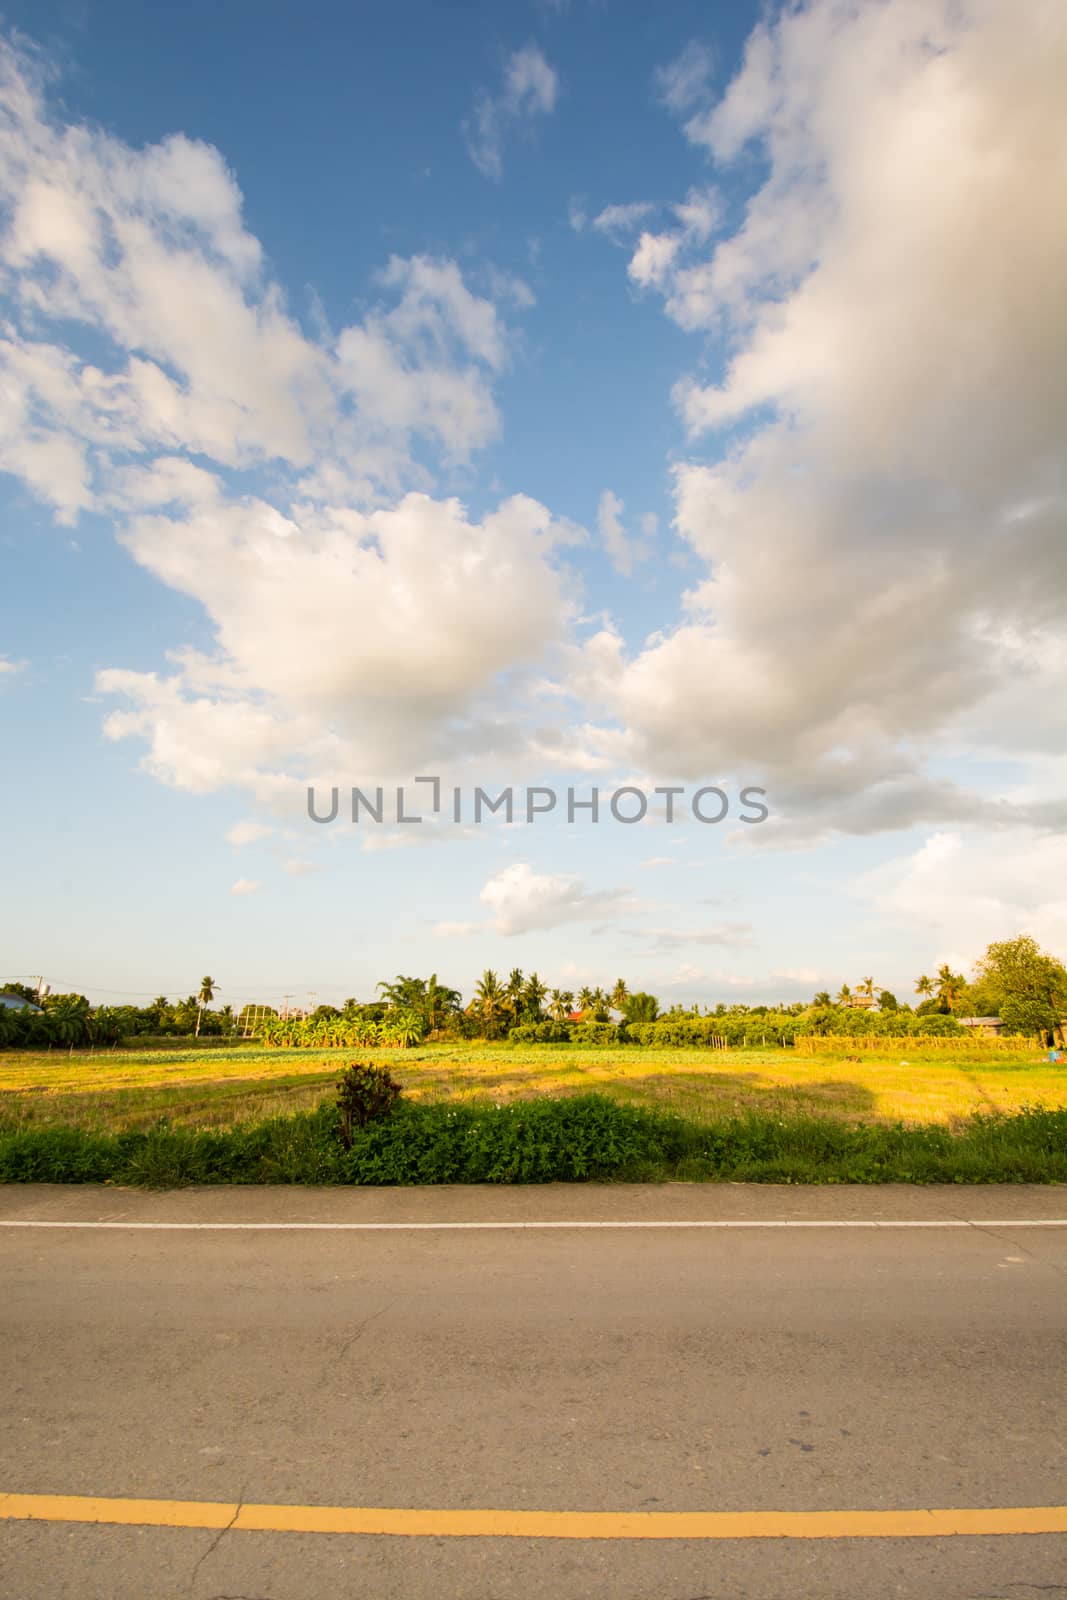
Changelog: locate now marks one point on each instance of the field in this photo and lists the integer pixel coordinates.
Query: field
(904, 1081)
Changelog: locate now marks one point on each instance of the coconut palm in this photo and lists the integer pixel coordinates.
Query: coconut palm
(844, 995)
(585, 999)
(822, 998)
(949, 987)
(533, 997)
(867, 988)
(204, 998)
(489, 998)
(924, 986)
(619, 995)
(513, 992)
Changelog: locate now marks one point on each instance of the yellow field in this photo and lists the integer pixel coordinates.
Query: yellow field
(218, 1087)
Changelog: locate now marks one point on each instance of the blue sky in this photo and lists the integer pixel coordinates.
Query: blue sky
(566, 394)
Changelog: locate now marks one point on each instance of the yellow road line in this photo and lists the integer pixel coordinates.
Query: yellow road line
(915, 1524)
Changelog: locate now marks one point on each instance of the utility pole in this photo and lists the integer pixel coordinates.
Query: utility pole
(285, 1006)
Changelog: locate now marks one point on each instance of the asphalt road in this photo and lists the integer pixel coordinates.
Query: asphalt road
(605, 1370)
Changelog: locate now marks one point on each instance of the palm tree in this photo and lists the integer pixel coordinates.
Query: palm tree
(533, 996)
(924, 986)
(949, 986)
(844, 995)
(619, 995)
(204, 998)
(822, 998)
(439, 1001)
(513, 991)
(585, 999)
(489, 997)
(600, 1002)
(867, 988)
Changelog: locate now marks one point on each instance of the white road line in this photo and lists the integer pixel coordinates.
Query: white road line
(447, 1227)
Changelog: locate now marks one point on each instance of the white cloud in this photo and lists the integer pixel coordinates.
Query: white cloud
(9, 668)
(247, 832)
(622, 550)
(245, 886)
(955, 894)
(297, 867)
(622, 219)
(524, 901)
(660, 861)
(529, 89)
(684, 81)
(884, 536)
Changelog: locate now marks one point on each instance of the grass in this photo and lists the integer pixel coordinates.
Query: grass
(219, 1088)
(581, 1138)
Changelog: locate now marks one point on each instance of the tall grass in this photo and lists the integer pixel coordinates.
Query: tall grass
(588, 1137)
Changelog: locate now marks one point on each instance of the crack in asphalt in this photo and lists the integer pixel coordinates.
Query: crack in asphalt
(213, 1546)
(364, 1325)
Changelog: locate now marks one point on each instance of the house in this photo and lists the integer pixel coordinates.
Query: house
(986, 1025)
(15, 1002)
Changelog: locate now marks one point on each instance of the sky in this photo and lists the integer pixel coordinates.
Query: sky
(531, 395)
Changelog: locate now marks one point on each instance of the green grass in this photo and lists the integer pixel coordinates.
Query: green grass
(588, 1137)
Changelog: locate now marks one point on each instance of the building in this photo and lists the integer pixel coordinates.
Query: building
(987, 1025)
(15, 1002)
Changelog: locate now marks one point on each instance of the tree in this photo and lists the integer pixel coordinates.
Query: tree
(821, 999)
(561, 1004)
(1018, 970)
(950, 987)
(924, 986)
(867, 988)
(887, 1000)
(488, 1003)
(640, 1007)
(619, 995)
(844, 995)
(533, 997)
(513, 991)
(585, 999)
(204, 998)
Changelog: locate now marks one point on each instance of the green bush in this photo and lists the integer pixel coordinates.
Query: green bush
(939, 1023)
(595, 1033)
(588, 1137)
(541, 1033)
(365, 1094)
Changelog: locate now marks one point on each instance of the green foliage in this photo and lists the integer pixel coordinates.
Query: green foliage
(938, 1023)
(342, 1031)
(1029, 1015)
(365, 1093)
(640, 1007)
(586, 1138)
(541, 1033)
(594, 1033)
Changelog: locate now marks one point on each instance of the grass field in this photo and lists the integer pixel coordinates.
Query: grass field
(219, 1088)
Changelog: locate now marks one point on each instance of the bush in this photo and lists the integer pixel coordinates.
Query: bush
(541, 1033)
(587, 1137)
(594, 1033)
(364, 1094)
(939, 1023)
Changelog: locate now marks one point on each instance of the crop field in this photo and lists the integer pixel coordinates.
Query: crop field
(909, 1083)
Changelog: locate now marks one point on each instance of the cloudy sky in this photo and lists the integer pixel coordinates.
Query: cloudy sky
(566, 395)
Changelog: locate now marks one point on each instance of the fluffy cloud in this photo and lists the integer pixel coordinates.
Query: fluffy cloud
(883, 532)
(958, 893)
(524, 901)
(247, 832)
(9, 667)
(529, 89)
(357, 624)
(245, 886)
(622, 550)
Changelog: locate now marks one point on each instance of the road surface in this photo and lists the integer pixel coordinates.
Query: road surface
(583, 1411)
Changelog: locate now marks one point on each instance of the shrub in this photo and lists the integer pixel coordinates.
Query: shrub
(937, 1023)
(595, 1033)
(364, 1094)
(540, 1033)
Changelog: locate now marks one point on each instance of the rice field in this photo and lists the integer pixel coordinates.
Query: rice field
(216, 1088)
